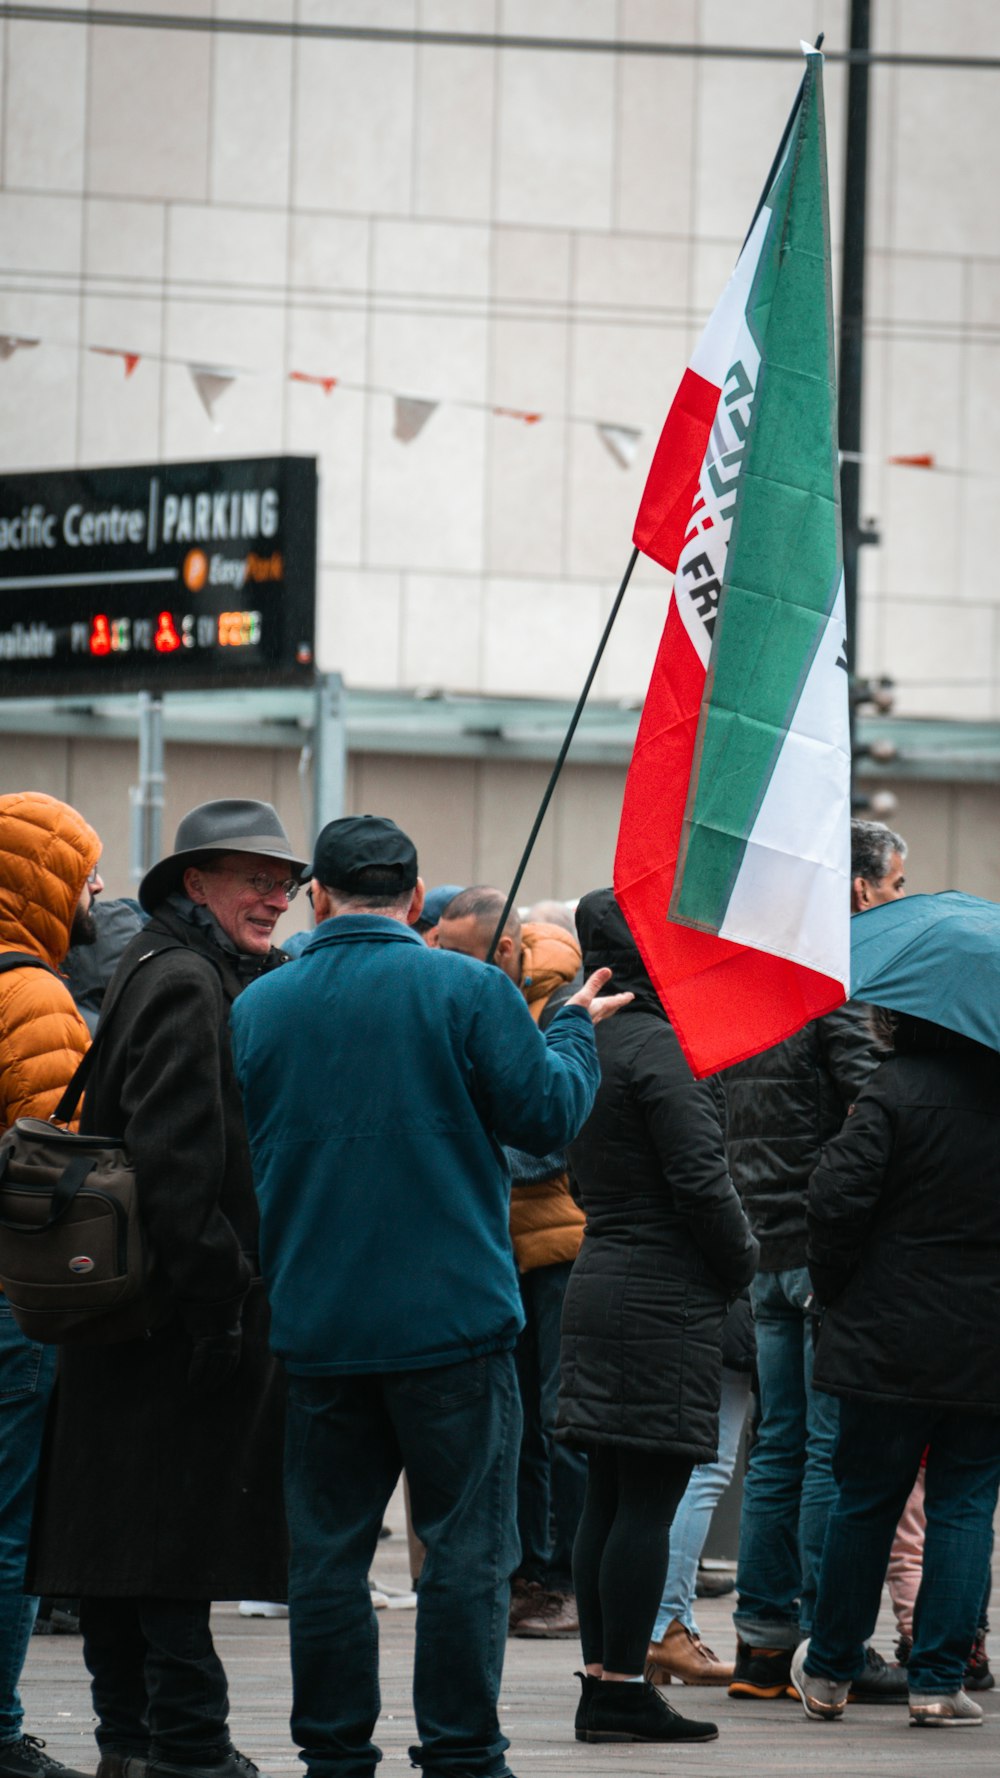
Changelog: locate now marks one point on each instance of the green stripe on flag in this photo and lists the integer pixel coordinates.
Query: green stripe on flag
(784, 561)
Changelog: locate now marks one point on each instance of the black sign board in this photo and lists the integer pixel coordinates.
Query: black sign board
(180, 576)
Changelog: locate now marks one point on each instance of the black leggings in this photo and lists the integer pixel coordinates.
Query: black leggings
(621, 1551)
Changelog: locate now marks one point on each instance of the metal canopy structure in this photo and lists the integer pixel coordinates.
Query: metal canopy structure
(446, 725)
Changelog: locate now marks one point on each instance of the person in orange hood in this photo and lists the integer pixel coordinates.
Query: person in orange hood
(48, 880)
(546, 1227)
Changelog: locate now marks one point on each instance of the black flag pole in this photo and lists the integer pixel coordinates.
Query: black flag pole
(595, 663)
(561, 757)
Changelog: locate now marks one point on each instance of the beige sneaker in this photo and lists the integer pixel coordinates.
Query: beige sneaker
(680, 1654)
(944, 1710)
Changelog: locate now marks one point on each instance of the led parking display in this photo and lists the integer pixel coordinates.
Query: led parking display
(169, 577)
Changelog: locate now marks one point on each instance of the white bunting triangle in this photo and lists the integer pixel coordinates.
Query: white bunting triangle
(412, 416)
(621, 441)
(211, 382)
(11, 343)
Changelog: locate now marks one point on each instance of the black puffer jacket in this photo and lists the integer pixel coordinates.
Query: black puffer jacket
(783, 1105)
(666, 1243)
(904, 1236)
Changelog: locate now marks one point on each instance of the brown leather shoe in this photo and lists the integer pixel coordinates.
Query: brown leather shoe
(526, 1598)
(681, 1655)
(555, 1618)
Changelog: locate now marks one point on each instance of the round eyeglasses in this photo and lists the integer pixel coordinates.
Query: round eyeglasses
(263, 884)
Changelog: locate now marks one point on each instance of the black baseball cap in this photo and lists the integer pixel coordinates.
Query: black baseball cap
(359, 843)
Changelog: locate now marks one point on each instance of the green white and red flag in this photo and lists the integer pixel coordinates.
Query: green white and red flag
(733, 859)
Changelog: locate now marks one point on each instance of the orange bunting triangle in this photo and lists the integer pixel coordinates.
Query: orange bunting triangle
(131, 359)
(303, 376)
(517, 413)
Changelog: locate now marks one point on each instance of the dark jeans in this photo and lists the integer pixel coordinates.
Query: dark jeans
(27, 1372)
(875, 1465)
(456, 1431)
(551, 1478)
(789, 1487)
(622, 1549)
(157, 1683)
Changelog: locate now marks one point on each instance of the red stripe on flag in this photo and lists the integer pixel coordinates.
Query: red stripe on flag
(674, 473)
(710, 987)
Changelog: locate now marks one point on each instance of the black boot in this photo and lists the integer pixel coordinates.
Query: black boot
(589, 1683)
(622, 1711)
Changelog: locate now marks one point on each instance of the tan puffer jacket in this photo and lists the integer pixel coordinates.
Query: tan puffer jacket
(546, 1225)
(47, 852)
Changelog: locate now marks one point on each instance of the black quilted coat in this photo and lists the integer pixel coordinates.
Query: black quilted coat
(904, 1234)
(666, 1245)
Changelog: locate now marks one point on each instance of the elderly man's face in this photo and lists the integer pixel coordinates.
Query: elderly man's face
(246, 912)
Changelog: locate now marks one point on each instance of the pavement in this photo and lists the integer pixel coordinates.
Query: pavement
(538, 1702)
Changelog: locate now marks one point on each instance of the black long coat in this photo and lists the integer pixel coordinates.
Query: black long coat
(904, 1236)
(666, 1243)
(146, 1489)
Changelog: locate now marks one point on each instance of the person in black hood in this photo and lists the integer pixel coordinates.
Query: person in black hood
(666, 1247)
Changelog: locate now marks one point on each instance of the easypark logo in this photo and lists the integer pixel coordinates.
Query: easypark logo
(195, 570)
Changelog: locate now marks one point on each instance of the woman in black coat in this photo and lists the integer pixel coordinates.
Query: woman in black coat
(160, 1486)
(666, 1246)
(904, 1255)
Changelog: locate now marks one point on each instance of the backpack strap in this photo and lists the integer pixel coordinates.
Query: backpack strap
(64, 1111)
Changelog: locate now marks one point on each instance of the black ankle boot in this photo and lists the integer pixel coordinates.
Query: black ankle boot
(589, 1683)
(622, 1711)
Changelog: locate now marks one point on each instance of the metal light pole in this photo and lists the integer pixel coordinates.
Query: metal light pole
(852, 312)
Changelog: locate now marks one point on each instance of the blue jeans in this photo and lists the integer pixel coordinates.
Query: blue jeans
(878, 1455)
(551, 1478)
(789, 1489)
(693, 1517)
(27, 1373)
(456, 1430)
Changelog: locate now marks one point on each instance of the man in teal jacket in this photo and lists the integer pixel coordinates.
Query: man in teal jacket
(380, 1079)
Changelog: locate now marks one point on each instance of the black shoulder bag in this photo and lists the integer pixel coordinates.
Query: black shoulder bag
(74, 1264)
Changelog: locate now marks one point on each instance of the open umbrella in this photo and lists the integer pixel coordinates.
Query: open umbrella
(936, 956)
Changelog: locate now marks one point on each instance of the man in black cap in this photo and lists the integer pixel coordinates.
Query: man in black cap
(375, 1132)
(161, 1486)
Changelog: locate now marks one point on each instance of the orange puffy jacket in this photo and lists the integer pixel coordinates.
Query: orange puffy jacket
(546, 1225)
(47, 852)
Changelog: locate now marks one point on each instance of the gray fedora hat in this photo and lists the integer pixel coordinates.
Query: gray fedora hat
(232, 825)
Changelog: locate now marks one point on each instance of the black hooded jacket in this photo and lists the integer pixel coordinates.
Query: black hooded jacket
(666, 1244)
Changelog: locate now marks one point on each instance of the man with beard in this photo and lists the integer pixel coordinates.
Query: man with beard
(48, 881)
(160, 1488)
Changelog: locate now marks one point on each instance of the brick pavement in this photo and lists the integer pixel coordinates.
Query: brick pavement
(537, 1705)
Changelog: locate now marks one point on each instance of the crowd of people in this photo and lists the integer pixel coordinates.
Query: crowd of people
(430, 1192)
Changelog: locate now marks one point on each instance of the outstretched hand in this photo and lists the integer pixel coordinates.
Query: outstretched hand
(600, 1006)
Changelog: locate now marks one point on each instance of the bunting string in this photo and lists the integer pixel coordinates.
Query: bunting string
(413, 412)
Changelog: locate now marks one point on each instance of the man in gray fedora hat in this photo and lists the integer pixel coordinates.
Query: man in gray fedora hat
(161, 1487)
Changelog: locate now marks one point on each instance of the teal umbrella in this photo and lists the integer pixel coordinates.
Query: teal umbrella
(936, 956)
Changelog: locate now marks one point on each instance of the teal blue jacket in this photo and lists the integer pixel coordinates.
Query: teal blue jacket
(380, 1079)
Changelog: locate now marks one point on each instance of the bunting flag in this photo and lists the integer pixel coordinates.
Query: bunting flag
(12, 342)
(517, 413)
(211, 382)
(733, 858)
(303, 376)
(621, 441)
(130, 359)
(411, 417)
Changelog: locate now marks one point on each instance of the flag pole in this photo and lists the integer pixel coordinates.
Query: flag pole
(561, 757)
(782, 145)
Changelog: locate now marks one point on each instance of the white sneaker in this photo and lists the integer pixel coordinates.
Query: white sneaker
(944, 1710)
(822, 1698)
(262, 1608)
